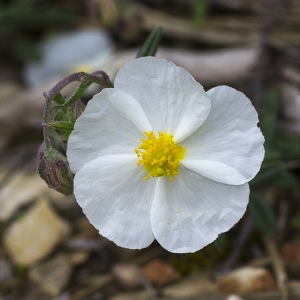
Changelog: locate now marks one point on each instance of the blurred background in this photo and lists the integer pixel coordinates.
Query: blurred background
(48, 249)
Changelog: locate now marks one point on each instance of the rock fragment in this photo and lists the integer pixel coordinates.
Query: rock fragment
(53, 275)
(21, 189)
(33, 237)
(246, 280)
(160, 273)
(193, 286)
(128, 274)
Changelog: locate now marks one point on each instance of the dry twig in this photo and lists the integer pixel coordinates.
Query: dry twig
(279, 268)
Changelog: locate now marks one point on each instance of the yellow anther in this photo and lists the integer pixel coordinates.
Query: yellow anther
(159, 155)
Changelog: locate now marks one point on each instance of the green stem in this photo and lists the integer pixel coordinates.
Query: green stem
(98, 77)
(46, 121)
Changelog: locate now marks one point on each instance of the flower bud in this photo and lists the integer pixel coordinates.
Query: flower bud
(54, 169)
(79, 108)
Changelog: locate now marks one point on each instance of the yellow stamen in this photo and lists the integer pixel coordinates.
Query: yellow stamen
(159, 155)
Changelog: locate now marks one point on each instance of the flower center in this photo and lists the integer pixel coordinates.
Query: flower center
(159, 155)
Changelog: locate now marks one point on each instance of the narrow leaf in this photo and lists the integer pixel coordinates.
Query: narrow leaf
(62, 125)
(219, 243)
(57, 141)
(77, 94)
(59, 99)
(262, 214)
(150, 46)
(65, 114)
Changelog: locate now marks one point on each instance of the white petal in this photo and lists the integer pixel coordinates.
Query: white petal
(112, 123)
(171, 98)
(129, 107)
(229, 141)
(191, 211)
(111, 191)
(215, 170)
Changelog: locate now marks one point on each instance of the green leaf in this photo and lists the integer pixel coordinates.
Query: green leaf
(59, 99)
(62, 125)
(57, 141)
(77, 94)
(65, 114)
(262, 214)
(150, 46)
(270, 109)
(219, 243)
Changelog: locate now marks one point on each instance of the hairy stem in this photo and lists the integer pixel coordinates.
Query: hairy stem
(86, 80)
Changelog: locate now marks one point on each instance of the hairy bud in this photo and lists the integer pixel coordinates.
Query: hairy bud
(54, 169)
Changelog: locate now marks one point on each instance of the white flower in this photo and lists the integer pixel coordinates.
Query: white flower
(183, 186)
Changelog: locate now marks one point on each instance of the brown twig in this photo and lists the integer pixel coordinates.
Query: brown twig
(278, 266)
(94, 287)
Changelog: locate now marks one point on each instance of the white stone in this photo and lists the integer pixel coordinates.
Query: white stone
(21, 189)
(128, 274)
(233, 297)
(245, 280)
(35, 235)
